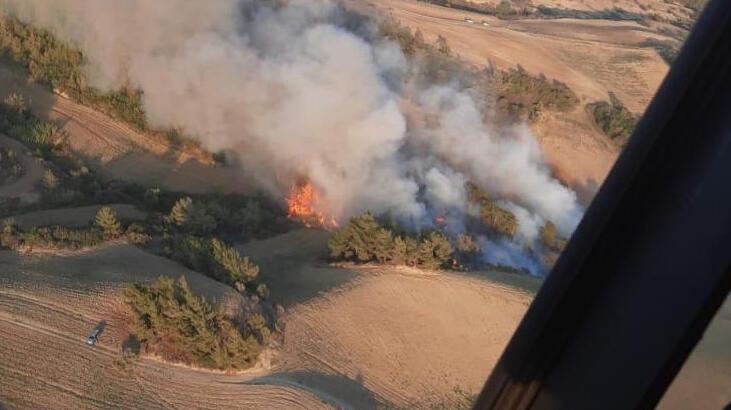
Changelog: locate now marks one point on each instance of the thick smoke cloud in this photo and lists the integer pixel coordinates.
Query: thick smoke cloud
(295, 94)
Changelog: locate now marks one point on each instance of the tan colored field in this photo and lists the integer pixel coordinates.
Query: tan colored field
(49, 304)
(379, 336)
(593, 57)
(120, 152)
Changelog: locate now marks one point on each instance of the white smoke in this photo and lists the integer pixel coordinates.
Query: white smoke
(295, 94)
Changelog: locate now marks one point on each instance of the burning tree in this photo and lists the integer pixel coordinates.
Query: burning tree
(304, 205)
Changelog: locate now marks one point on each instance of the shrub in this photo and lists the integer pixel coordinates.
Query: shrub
(58, 237)
(521, 94)
(170, 321)
(137, 235)
(106, 220)
(613, 118)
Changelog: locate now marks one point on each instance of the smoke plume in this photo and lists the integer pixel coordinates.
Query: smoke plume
(297, 90)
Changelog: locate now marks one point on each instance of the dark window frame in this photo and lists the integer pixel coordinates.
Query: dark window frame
(650, 263)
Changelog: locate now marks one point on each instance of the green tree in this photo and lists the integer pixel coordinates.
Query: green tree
(106, 220)
(232, 266)
(434, 251)
(499, 220)
(49, 181)
(169, 320)
(191, 217)
(363, 239)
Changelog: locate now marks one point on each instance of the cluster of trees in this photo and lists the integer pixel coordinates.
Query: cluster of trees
(363, 239)
(435, 62)
(188, 230)
(524, 96)
(170, 321)
(105, 227)
(19, 123)
(505, 9)
(497, 220)
(60, 66)
(10, 166)
(614, 119)
(668, 50)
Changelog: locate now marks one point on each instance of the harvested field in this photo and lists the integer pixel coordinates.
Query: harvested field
(375, 336)
(49, 304)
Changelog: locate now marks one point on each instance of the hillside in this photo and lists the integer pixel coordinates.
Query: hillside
(334, 353)
(593, 57)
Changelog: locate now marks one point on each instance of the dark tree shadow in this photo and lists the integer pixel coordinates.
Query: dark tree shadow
(131, 345)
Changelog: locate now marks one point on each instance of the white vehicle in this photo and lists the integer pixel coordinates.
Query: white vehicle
(469, 20)
(94, 336)
(486, 24)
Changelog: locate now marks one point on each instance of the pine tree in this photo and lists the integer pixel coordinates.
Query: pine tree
(549, 235)
(179, 215)
(49, 181)
(107, 221)
(235, 268)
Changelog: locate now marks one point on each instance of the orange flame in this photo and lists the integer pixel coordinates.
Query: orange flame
(303, 205)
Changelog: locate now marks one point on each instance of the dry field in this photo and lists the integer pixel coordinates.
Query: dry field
(49, 304)
(593, 57)
(377, 336)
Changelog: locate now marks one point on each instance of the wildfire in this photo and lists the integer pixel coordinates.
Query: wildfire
(303, 204)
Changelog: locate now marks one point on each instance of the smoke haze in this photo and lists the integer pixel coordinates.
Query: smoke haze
(296, 92)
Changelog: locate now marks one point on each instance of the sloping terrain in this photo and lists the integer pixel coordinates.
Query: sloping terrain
(119, 151)
(26, 187)
(377, 336)
(387, 334)
(593, 57)
(48, 305)
(74, 217)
